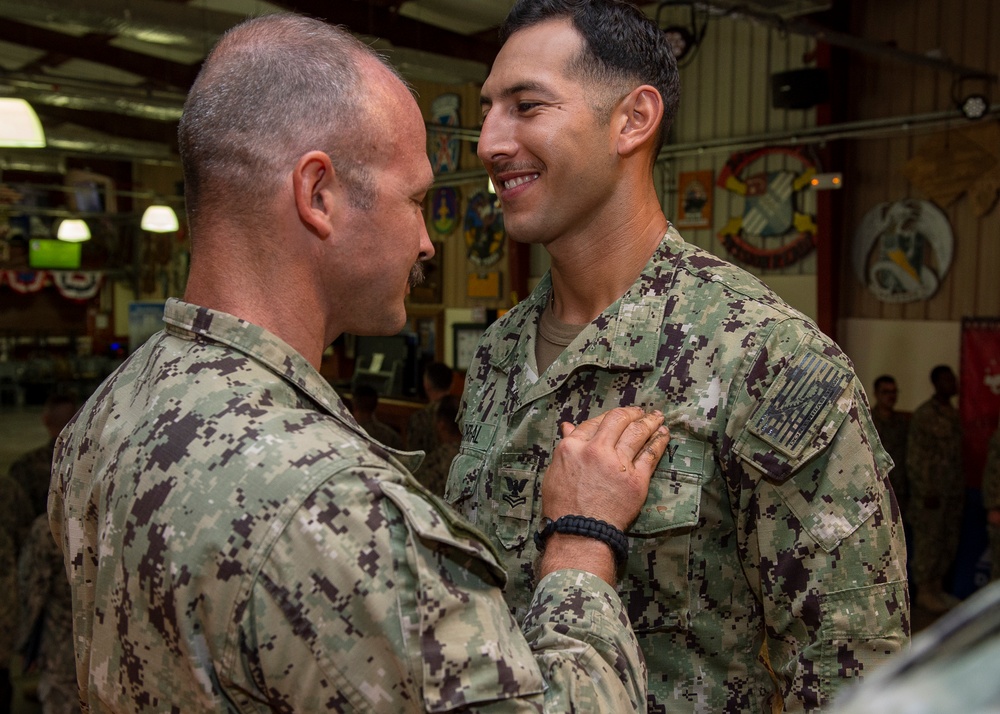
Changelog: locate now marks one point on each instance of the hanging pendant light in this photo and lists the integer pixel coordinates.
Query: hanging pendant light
(73, 230)
(19, 125)
(159, 218)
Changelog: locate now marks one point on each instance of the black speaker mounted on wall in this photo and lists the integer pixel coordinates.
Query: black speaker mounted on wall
(799, 88)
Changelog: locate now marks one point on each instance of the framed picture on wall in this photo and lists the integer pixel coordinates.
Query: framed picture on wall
(427, 323)
(466, 337)
(694, 199)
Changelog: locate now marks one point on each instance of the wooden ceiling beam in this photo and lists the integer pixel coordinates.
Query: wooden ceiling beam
(158, 72)
(384, 22)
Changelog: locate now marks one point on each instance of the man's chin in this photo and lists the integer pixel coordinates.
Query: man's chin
(383, 325)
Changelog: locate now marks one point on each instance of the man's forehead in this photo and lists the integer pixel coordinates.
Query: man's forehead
(531, 55)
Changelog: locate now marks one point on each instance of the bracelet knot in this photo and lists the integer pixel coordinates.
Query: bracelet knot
(589, 527)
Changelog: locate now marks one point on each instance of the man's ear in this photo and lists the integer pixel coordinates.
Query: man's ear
(314, 184)
(641, 113)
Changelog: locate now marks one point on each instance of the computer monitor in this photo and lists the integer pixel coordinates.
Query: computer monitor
(48, 254)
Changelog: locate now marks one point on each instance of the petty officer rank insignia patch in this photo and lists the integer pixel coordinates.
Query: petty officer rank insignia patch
(797, 404)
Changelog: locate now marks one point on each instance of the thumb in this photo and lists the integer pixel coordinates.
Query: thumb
(566, 428)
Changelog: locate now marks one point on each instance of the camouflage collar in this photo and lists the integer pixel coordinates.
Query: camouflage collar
(614, 338)
(187, 321)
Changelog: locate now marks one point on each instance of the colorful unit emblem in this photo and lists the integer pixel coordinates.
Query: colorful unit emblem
(444, 210)
(483, 230)
(772, 209)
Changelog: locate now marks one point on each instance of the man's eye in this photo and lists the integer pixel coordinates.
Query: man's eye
(527, 106)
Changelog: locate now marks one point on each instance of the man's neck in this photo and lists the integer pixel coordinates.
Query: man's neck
(590, 272)
(883, 412)
(942, 399)
(274, 313)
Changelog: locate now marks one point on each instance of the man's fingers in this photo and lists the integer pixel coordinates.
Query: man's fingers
(566, 428)
(635, 434)
(652, 451)
(608, 425)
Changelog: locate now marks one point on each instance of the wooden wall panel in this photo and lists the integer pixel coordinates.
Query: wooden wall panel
(965, 33)
(726, 92)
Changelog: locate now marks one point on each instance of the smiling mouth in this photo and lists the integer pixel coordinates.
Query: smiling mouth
(519, 181)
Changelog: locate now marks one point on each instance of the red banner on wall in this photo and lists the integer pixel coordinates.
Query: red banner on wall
(979, 392)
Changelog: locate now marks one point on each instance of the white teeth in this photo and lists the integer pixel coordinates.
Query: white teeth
(519, 180)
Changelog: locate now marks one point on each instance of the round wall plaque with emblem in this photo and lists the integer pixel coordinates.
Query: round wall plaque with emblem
(902, 250)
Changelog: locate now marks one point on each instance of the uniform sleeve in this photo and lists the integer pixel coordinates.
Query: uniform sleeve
(919, 458)
(35, 574)
(819, 535)
(385, 601)
(8, 596)
(15, 511)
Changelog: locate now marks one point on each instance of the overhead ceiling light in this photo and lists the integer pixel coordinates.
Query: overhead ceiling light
(975, 106)
(974, 103)
(19, 125)
(159, 219)
(73, 230)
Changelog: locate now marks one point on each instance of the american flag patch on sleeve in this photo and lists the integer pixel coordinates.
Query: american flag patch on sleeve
(798, 402)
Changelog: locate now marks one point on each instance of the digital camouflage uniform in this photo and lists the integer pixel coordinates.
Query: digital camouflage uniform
(433, 472)
(991, 499)
(46, 604)
(33, 471)
(421, 434)
(770, 510)
(892, 432)
(8, 615)
(15, 522)
(382, 432)
(952, 667)
(236, 542)
(937, 487)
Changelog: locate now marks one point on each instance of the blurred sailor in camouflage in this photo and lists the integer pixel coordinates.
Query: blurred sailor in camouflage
(937, 490)
(234, 540)
(768, 565)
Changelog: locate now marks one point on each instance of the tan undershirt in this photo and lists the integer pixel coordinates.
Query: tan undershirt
(553, 337)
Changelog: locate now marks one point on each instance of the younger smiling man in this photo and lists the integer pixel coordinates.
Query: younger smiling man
(767, 566)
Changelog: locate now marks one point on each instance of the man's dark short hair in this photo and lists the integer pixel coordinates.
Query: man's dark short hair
(447, 412)
(365, 398)
(939, 371)
(884, 379)
(621, 45)
(439, 375)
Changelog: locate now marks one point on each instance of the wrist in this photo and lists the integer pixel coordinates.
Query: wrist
(572, 552)
(587, 527)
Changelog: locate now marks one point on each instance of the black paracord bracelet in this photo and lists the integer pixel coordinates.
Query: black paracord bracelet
(589, 527)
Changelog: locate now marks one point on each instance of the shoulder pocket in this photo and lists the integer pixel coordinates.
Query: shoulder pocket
(798, 416)
(435, 521)
(470, 650)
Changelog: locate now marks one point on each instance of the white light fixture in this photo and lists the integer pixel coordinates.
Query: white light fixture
(19, 125)
(73, 230)
(975, 106)
(159, 219)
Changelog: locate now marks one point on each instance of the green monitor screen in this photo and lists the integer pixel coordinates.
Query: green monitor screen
(47, 254)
